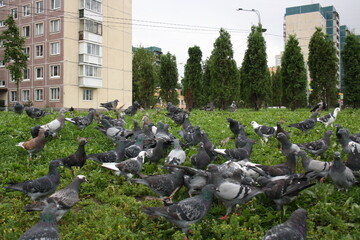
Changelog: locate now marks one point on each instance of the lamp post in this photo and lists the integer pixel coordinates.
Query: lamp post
(257, 13)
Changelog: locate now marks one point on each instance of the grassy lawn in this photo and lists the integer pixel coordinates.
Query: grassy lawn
(110, 207)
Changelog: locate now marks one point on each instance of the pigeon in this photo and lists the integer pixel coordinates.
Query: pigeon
(164, 185)
(329, 118)
(134, 149)
(76, 159)
(284, 190)
(192, 135)
(232, 107)
(117, 155)
(307, 124)
(177, 155)
(110, 105)
(83, 122)
(237, 153)
(294, 228)
(234, 126)
(317, 147)
(355, 137)
(65, 198)
(172, 109)
(341, 175)
(187, 211)
(286, 146)
(34, 131)
(156, 153)
(209, 107)
(201, 159)
(280, 129)
(114, 133)
(36, 113)
(162, 131)
(241, 139)
(18, 108)
(208, 146)
(343, 135)
(319, 107)
(46, 227)
(178, 118)
(128, 167)
(319, 167)
(131, 110)
(34, 145)
(353, 161)
(263, 131)
(55, 126)
(40, 187)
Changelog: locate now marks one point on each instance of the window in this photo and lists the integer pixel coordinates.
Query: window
(26, 10)
(2, 3)
(90, 71)
(14, 12)
(27, 74)
(26, 31)
(88, 94)
(2, 64)
(54, 4)
(39, 29)
(25, 95)
(39, 7)
(39, 73)
(54, 93)
(93, 49)
(92, 5)
(91, 26)
(27, 51)
(2, 23)
(54, 48)
(13, 96)
(39, 51)
(2, 42)
(39, 96)
(55, 25)
(54, 71)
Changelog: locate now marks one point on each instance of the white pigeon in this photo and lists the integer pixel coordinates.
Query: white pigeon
(263, 131)
(329, 118)
(54, 127)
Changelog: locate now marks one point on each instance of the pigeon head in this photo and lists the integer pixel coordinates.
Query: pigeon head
(56, 163)
(212, 168)
(49, 213)
(82, 178)
(254, 124)
(208, 191)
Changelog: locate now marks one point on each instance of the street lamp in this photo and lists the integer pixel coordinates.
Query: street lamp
(257, 13)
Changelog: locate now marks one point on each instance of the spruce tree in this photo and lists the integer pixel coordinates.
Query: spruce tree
(293, 74)
(192, 84)
(323, 67)
(14, 58)
(168, 79)
(255, 75)
(277, 88)
(351, 65)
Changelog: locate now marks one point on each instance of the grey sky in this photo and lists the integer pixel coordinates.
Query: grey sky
(174, 26)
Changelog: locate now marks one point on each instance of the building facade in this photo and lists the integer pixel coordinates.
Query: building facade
(79, 51)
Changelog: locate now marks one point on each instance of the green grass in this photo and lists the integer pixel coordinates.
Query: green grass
(110, 208)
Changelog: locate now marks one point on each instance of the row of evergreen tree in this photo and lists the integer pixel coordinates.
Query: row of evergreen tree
(219, 80)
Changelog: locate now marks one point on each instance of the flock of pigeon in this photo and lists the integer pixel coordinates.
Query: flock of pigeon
(233, 182)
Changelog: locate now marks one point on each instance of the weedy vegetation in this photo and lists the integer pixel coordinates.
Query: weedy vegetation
(110, 207)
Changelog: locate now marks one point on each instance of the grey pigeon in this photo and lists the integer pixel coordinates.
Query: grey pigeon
(320, 106)
(65, 198)
(187, 211)
(162, 131)
(279, 129)
(131, 110)
(40, 187)
(343, 135)
(208, 146)
(117, 155)
(172, 108)
(353, 161)
(234, 126)
(83, 122)
(156, 153)
(18, 108)
(295, 228)
(233, 107)
(317, 147)
(110, 105)
(36, 113)
(321, 168)
(238, 153)
(201, 159)
(286, 146)
(191, 136)
(329, 118)
(307, 124)
(34, 131)
(113, 133)
(34, 145)
(128, 167)
(263, 131)
(55, 126)
(177, 155)
(209, 107)
(134, 149)
(78, 158)
(341, 175)
(178, 118)
(46, 228)
(241, 140)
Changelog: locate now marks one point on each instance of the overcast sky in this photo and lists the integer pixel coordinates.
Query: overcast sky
(174, 25)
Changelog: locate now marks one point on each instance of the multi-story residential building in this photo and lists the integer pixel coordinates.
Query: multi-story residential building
(303, 20)
(79, 52)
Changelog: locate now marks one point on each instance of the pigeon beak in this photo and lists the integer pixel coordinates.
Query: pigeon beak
(216, 189)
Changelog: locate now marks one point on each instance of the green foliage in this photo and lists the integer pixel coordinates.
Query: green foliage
(168, 77)
(205, 82)
(293, 74)
(143, 69)
(224, 75)
(323, 67)
(254, 72)
(15, 58)
(110, 207)
(351, 64)
(277, 88)
(192, 84)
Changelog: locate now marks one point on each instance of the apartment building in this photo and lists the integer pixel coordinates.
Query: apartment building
(80, 52)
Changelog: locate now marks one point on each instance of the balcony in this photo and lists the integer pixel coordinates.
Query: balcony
(84, 13)
(88, 36)
(90, 82)
(90, 59)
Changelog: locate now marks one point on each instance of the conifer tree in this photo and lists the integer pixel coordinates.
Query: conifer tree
(168, 79)
(277, 88)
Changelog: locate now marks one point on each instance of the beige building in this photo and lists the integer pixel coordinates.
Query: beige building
(80, 52)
